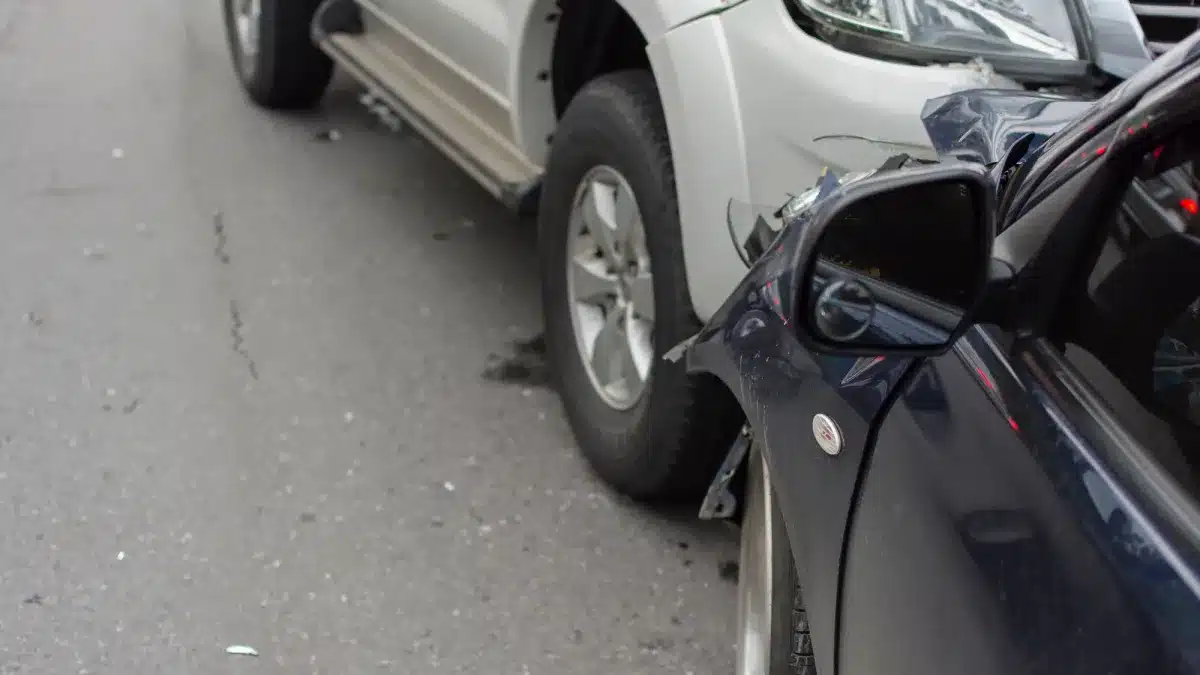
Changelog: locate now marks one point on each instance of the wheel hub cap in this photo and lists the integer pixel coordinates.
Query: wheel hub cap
(247, 14)
(610, 288)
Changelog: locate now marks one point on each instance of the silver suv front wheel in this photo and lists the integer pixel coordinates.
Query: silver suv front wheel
(615, 297)
(611, 288)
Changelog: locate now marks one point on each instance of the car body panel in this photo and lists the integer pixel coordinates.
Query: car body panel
(750, 87)
(1118, 42)
(1000, 539)
(989, 512)
(473, 35)
(983, 126)
(488, 55)
(781, 387)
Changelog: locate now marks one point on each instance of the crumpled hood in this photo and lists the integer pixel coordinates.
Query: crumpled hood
(981, 125)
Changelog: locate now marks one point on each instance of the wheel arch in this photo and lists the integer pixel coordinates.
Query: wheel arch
(708, 359)
(683, 45)
(694, 70)
(547, 72)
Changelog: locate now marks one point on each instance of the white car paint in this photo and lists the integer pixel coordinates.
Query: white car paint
(532, 39)
(745, 93)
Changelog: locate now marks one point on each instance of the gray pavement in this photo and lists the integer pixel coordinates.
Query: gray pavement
(243, 393)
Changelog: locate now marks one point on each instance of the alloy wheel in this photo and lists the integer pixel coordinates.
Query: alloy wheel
(610, 288)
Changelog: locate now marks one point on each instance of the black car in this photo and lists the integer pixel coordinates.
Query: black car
(972, 392)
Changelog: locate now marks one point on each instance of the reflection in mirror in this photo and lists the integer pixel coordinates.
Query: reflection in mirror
(900, 267)
(844, 310)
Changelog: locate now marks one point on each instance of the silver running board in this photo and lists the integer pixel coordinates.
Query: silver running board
(492, 160)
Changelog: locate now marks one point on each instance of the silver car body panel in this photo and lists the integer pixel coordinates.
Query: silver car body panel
(746, 92)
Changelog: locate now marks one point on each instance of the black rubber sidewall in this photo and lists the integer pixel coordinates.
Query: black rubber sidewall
(256, 80)
(289, 71)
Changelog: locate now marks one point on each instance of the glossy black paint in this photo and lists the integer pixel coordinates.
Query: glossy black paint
(781, 385)
(985, 514)
(981, 127)
(991, 537)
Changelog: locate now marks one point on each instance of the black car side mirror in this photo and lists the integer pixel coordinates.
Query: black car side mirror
(897, 262)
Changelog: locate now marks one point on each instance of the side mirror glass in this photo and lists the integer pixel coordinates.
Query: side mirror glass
(898, 261)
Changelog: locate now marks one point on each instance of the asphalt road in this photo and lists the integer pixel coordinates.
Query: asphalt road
(244, 394)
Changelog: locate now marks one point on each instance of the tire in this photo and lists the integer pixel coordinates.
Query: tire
(287, 71)
(769, 593)
(669, 444)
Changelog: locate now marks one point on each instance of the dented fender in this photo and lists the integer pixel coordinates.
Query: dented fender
(750, 333)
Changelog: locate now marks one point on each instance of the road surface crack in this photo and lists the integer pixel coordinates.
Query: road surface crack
(221, 249)
(239, 341)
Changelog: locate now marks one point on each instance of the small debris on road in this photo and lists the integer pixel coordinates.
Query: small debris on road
(118, 153)
(96, 252)
(241, 650)
(327, 136)
(221, 249)
(449, 486)
(35, 599)
(34, 319)
(120, 555)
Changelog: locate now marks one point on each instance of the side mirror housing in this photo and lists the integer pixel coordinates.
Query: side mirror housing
(897, 263)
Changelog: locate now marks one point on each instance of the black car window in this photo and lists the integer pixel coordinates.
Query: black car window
(1134, 335)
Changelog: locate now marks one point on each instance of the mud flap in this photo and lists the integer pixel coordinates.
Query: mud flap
(720, 502)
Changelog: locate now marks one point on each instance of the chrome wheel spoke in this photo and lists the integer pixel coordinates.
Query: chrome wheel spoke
(608, 212)
(591, 282)
(641, 296)
(610, 287)
(612, 358)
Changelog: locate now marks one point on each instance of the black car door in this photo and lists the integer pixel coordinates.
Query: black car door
(790, 391)
(1030, 503)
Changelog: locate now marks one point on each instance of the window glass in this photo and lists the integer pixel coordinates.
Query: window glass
(1177, 366)
(1136, 335)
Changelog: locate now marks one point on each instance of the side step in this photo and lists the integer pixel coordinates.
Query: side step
(486, 156)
